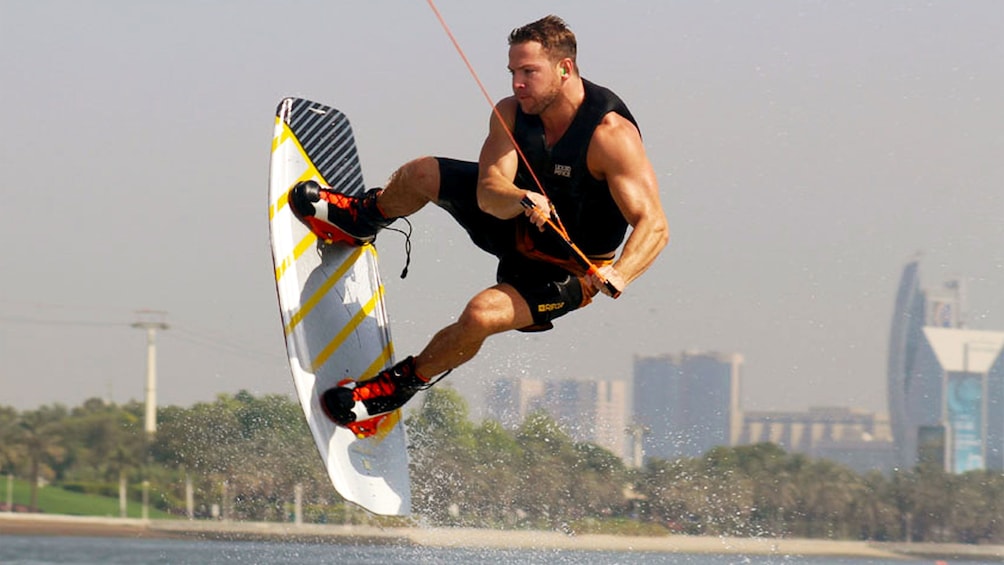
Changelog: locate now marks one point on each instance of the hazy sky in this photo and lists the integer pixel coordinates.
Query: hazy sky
(805, 151)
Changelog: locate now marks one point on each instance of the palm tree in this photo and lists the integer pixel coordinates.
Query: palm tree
(11, 448)
(8, 439)
(42, 439)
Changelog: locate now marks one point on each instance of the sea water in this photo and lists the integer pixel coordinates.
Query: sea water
(46, 550)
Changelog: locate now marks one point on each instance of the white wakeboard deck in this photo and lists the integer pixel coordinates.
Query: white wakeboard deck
(332, 306)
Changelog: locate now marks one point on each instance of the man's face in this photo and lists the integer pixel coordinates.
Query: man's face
(535, 78)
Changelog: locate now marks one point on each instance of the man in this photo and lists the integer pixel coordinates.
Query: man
(582, 144)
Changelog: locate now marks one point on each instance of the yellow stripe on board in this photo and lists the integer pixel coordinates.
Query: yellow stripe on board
(308, 240)
(345, 332)
(286, 132)
(379, 363)
(310, 173)
(273, 209)
(322, 291)
(306, 243)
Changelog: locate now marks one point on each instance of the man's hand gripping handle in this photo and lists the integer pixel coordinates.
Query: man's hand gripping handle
(576, 253)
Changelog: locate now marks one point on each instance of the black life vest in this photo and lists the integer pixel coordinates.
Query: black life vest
(584, 204)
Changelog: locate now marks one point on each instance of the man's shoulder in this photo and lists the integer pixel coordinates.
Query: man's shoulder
(614, 127)
(508, 103)
(507, 107)
(615, 140)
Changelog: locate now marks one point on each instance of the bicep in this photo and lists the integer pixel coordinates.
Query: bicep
(621, 159)
(497, 165)
(498, 157)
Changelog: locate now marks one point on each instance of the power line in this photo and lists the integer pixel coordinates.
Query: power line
(220, 344)
(50, 322)
(39, 306)
(205, 339)
(200, 338)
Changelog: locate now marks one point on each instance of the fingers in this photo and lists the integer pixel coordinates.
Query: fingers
(608, 280)
(538, 217)
(538, 209)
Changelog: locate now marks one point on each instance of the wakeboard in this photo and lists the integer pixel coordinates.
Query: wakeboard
(332, 305)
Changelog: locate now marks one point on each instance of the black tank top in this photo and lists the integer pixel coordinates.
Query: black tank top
(583, 203)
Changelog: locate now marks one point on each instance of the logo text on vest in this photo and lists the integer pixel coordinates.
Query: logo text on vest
(563, 170)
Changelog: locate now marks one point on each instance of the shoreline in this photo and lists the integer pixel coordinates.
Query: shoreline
(61, 525)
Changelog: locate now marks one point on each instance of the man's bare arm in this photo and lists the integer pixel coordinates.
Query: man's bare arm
(616, 154)
(497, 165)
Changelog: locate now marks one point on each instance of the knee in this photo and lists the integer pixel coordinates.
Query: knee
(419, 175)
(479, 317)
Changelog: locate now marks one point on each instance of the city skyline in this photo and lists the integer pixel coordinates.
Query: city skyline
(803, 156)
(685, 405)
(943, 306)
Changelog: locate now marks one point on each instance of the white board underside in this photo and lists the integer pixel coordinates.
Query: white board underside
(333, 312)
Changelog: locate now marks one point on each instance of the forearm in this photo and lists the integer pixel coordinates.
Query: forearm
(647, 239)
(499, 197)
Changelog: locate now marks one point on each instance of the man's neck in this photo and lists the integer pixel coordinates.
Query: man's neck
(559, 115)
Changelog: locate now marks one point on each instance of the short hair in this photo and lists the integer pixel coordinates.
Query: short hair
(551, 32)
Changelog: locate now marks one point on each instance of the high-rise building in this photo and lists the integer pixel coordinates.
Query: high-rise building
(588, 411)
(967, 406)
(687, 404)
(945, 382)
(904, 339)
(510, 400)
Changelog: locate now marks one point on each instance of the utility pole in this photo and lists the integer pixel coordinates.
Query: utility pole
(151, 321)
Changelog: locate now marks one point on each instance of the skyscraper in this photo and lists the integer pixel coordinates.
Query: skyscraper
(904, 338)
(687, 404)
(968, 404)
(510, 400)
(591, 411)
(945, 383)
(587, 410)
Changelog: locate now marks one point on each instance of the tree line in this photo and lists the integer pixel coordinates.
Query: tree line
(247, 454)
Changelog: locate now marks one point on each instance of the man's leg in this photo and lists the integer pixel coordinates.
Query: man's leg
(357, 219)
(411, 187)
(493, 310)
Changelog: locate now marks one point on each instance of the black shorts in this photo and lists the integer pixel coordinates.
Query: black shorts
(550, 290)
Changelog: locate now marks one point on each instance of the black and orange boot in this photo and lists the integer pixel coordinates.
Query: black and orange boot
(358, 401)
(334, 216)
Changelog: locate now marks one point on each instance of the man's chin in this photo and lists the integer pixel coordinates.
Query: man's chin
(528, 107)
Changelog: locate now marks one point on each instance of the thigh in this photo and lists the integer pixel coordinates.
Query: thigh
(497, 309)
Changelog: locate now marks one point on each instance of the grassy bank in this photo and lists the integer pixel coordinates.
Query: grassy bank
(55, 500)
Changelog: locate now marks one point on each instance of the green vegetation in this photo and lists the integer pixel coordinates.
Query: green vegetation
(242, 456)
(56, 500)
